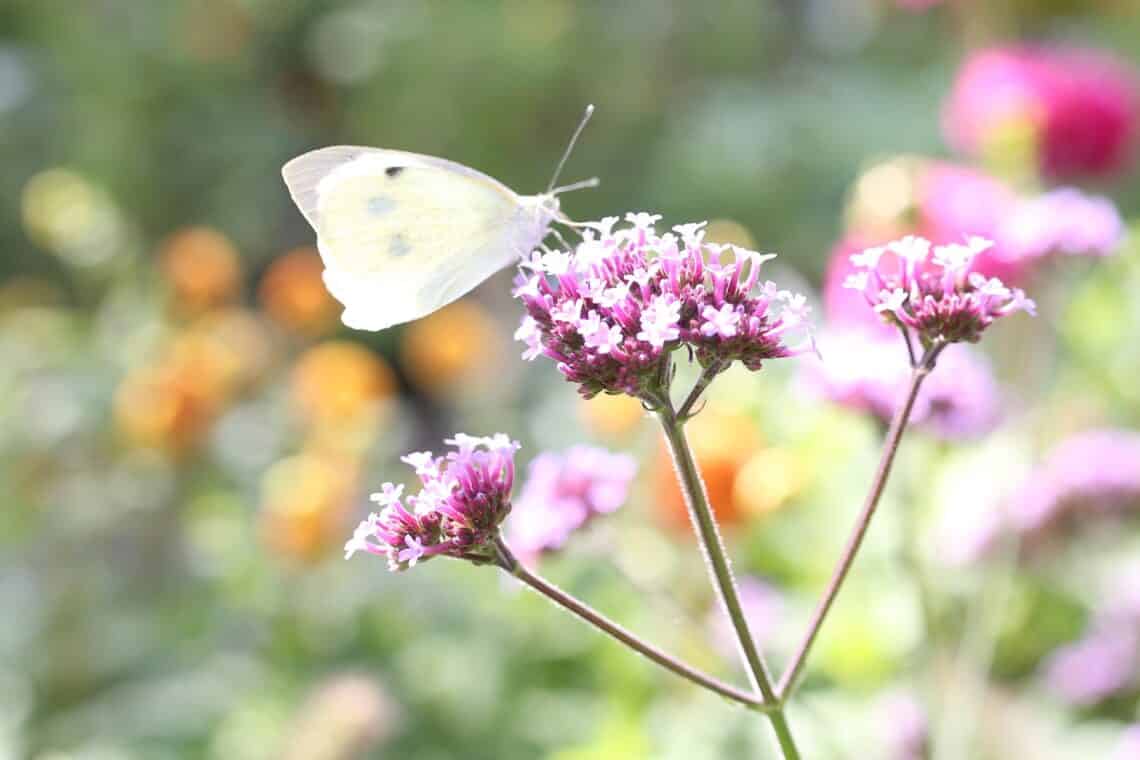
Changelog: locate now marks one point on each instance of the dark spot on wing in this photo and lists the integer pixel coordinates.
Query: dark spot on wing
(399, 246)
(394, 171)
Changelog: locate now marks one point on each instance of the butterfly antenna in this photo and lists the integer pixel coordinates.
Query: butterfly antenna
(570, 147)
(580, 185)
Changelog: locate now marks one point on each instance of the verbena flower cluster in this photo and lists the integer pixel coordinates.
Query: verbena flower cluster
(931, 289)
(465, 497)
(611, 310)
(564, 491)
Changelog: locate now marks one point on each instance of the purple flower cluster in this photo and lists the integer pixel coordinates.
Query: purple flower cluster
(1095, 473)
(868, 372)
(611, 310)
(932, 291)
(465, 496)
(563, 492)
(1064, 221)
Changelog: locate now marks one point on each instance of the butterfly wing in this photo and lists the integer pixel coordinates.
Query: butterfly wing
(403, 234)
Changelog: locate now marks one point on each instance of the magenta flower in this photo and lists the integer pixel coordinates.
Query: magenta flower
(465, 496)
(565, 491)
(610, 311)
(1081, 108)
(932, 291)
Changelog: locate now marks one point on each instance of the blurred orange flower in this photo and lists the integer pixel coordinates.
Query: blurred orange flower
(306, 501)
(202, 268)
(611, 416)
(336, 381)
(722, 443)
(766, 482)
(170, 403)
(294, 295)
(451, 347)
(162, 407)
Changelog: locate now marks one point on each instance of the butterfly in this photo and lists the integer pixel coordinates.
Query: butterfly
(403, 234)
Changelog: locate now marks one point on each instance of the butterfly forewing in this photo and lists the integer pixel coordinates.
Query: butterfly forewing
(418, 231)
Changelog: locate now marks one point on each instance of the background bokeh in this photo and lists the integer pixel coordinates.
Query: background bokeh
(188, 434)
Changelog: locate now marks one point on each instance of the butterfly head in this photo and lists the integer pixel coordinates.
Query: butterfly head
(543, 210)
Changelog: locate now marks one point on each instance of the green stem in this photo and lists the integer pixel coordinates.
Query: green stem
(862, 523)
(696, 499)
(506, 560)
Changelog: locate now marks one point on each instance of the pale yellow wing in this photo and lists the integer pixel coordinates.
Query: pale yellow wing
(402, 234)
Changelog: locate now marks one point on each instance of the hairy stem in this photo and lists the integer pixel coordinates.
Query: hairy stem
(685, 411)
(696, 499)
(507, 561)
(847, 558)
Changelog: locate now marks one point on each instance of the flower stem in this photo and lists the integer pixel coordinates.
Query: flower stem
(685, 411)
(878, 484)
(508, 562)
(717, 559)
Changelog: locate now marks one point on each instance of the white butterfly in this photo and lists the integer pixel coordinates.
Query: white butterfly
(402, 234)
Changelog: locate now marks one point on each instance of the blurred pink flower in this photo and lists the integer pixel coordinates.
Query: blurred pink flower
(1095, 473)
(1064, 221)
(955, 202)
(1128, 747)
(949, 203)
(763, 607)
(868, 372)
(1082, 106)
(904, 725)
(1094, 668)
(844, 308)
(960, 399)
(563, 492)
(1107, 659)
